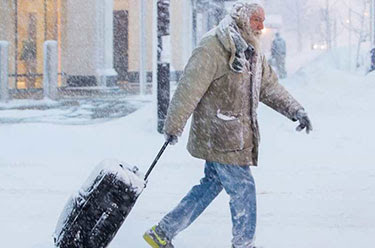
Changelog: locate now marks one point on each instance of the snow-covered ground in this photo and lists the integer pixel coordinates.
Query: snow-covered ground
(313, 190)
(73, 111)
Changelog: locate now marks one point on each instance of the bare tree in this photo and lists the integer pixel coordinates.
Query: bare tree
(357, 24)
(297, 15)
(329, 17)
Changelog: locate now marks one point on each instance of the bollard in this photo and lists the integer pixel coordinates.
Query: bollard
(4, 94)
(50, 70)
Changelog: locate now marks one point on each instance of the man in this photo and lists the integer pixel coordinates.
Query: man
(278, 52)
(372, 59)
(222, 83)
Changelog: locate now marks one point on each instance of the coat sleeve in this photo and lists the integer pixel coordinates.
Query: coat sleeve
(275, 95)
(196, 79)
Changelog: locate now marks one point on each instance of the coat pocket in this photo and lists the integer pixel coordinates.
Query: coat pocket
(227, 134)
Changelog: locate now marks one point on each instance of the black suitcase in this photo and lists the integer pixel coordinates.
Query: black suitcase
(92, 217)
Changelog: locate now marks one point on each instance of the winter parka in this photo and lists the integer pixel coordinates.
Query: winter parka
(224, 102)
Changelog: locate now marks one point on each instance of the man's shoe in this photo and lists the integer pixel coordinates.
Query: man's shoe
(157, 239)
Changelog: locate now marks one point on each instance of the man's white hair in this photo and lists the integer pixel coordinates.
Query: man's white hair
(242, 10)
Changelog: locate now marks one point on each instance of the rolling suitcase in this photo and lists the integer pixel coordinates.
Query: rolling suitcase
(92, 216)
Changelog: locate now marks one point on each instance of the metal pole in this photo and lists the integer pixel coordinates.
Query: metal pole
(372, 23)
(163, 69)
(59, 42)
(105, 73)
(4, 95)
(16, 44)
(328, 26)
(154, 58)
(335, 32)
(45, 20)
(350, 36)
(142, 44)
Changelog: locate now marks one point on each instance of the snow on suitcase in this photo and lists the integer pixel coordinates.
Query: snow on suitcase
(93, 215)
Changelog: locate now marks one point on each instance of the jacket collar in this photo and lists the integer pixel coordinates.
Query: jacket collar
(230, 38)
(232, 41)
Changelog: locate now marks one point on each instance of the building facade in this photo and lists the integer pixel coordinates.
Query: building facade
(98, 40)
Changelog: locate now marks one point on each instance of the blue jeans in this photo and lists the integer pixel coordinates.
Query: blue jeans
(238, 182)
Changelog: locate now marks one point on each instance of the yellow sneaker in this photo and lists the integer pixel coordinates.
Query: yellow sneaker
(157, 239)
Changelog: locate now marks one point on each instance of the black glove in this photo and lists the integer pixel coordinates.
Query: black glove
(171, 138)
(304, 121)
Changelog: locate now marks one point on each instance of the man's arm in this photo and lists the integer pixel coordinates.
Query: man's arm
(197, 77)
(275, 95)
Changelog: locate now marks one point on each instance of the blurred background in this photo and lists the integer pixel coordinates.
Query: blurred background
(111, 43)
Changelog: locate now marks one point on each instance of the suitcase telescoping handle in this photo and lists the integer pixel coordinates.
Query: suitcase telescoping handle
(156, 159)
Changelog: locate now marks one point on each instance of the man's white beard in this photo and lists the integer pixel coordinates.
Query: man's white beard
(257, 34)
(251, 37)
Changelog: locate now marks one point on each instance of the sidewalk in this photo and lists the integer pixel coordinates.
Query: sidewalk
(70, 111)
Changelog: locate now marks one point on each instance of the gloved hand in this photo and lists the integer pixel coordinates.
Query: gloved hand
(304, 121)
(171, 138)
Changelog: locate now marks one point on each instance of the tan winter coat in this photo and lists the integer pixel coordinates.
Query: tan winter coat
(224, 126)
